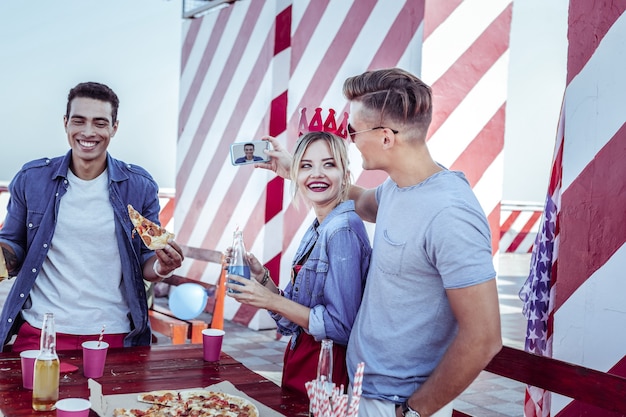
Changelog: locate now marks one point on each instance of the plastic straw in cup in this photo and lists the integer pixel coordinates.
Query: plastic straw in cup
(101, 335)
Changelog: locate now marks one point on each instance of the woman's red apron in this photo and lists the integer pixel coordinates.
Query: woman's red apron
(300, 363)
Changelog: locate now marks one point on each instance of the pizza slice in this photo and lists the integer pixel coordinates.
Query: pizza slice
(163, 397)
(211, 403)
(154, 236)
(154, 411)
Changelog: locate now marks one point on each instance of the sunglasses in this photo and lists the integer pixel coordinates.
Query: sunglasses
(353, 133)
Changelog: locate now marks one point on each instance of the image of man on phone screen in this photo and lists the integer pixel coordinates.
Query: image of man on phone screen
(249, 155)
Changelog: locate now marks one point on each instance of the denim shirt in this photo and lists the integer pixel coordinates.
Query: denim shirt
(35, 195)
(332, 279)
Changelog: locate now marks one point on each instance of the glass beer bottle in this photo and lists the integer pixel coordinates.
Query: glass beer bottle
(325, 366)
(238, 263)
(46, 375)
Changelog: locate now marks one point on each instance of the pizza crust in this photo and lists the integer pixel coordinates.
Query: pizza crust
(153, 236)
(164, 397)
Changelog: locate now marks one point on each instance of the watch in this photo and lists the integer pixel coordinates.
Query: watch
(407, 411)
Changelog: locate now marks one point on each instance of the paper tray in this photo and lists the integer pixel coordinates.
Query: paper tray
(111, 402)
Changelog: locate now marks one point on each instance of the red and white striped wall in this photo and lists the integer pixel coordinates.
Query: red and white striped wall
(588, 307)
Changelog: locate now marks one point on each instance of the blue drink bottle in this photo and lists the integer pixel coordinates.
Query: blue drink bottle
(238, 263)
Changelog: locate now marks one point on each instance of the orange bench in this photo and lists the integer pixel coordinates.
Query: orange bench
(163, 321)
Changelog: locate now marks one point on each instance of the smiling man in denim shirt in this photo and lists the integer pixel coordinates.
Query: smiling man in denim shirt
(69, 241)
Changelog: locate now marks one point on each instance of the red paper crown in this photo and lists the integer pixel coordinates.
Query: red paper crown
(316, 125)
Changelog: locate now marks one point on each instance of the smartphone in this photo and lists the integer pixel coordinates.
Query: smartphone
(243, 153)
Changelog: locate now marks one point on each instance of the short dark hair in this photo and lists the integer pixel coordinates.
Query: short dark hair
(394, 93)
(95, 91)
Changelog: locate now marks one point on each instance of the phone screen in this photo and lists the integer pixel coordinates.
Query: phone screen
(243, 153)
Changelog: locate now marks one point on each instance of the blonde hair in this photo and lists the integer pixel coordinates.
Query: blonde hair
(339, 152)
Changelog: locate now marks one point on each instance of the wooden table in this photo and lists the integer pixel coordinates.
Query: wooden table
(141, 369)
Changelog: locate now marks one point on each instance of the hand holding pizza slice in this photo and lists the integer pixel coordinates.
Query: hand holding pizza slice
(154, 236)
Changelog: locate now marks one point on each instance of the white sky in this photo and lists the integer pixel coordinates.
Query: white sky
(47, 47)
(134, 46)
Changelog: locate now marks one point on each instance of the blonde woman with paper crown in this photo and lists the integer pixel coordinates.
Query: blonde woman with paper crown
(328, 274)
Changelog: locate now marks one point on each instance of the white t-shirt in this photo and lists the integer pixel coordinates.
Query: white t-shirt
(80, 280)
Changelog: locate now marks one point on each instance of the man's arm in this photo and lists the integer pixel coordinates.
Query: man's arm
(365, 202)
(478, 340)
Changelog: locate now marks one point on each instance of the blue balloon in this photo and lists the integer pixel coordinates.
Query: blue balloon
(187, 301)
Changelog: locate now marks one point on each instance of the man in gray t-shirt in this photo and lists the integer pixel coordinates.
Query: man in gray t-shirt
(429, 321)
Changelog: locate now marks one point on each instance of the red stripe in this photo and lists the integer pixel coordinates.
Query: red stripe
(452, 87)
(506, 226)
(399, 36)
(253, 83)
(274, 203)
(190, 40)
(589, 22)
(224, 81)
(519, 238)
(304, 32)
(438, 12)
(244, 314)
(494, 225)
(371, 178)
(282, 39)
(592, 217)
(483, 150)
(167, 212)
(200, 74)
(274, 266)
(278, 115)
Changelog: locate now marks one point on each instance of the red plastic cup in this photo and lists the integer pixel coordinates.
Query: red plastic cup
(73, 407)
(212, 344)
(27, 359)
(94, 356)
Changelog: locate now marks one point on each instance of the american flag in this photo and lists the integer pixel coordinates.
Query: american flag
(537, 293)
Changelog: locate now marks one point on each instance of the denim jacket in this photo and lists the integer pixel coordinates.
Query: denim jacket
(35, 195)
(332, 279)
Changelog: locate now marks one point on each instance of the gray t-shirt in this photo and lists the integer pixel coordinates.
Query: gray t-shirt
(429, 237)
